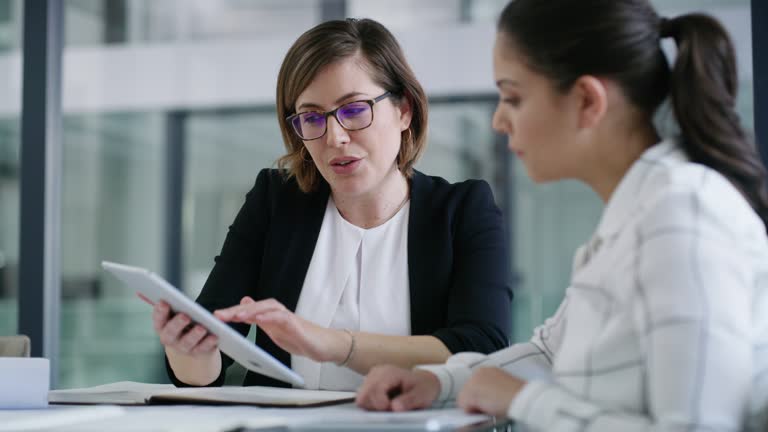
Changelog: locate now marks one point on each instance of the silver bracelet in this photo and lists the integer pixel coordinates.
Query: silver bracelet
(351, 349)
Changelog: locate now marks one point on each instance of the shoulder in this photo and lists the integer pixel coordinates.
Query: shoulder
(278, 183)
(270, 178)
(277, 193)
(441, 193)
(465, 208)
(683, 194)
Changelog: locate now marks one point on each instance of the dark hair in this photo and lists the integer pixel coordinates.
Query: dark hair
(620, 39)
(333, 41)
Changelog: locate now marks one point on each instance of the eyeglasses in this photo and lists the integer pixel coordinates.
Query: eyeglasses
(311, 125)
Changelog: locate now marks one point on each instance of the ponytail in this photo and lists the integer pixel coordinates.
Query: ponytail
(703, 88)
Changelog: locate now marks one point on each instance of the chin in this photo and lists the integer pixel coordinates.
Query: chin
(350, 185)
(539, 177)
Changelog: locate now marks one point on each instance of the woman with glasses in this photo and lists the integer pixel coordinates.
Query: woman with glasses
(346, 257)
(664, 326)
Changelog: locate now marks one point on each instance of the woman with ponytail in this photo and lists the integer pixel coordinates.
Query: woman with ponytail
(664, 326)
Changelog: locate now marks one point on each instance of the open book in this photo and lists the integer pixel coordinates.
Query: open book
(134, 393)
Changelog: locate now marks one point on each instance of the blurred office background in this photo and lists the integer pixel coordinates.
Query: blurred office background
(186, 87)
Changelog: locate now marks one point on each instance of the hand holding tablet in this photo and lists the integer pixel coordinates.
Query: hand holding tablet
(153, 288)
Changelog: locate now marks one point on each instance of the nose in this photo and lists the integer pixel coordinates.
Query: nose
(499, 124)
(335, 135)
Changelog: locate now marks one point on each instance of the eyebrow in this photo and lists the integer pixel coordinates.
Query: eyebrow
(507, 82)
(338, 101)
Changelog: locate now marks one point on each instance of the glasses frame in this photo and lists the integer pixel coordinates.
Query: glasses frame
(334, 113)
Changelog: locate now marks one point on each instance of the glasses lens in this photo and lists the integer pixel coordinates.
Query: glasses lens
(355, 115)
(309, 125)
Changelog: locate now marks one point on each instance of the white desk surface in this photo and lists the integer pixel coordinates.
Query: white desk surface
(197, 418)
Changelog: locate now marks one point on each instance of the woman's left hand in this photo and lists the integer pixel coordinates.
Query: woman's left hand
(290, 332)
(489, 391)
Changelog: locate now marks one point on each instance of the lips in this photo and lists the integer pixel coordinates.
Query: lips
(342, 161)
(345, 165)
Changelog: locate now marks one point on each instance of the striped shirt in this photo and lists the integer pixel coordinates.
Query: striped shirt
(664, 326)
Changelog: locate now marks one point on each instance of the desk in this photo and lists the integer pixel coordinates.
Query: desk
(197, 418)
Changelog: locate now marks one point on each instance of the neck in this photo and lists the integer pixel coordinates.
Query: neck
(615, 156)
(375, 207)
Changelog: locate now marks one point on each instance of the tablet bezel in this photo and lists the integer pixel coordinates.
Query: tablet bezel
(231, 342)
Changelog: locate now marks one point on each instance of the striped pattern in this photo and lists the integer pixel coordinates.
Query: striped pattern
(665, 324)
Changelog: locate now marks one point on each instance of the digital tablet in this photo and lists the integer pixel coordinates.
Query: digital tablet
(231, 342)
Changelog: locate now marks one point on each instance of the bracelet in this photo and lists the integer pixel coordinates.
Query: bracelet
(351, 349)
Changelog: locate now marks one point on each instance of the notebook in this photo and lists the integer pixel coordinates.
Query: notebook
(135, 393)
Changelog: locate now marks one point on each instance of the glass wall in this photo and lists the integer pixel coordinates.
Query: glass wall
(462, 145)
(112, 209)
(10, 131)
(98, 22)
(397, 14)
(225, 152)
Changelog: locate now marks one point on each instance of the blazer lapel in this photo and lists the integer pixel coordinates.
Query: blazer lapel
(297, 218)
(294, 241)
(419, 241)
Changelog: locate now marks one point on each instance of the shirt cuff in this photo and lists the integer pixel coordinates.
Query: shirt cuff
(453, 374)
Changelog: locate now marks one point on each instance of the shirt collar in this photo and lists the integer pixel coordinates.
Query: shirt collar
(634, 187)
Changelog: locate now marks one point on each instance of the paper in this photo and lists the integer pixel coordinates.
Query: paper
(37, 419)
(254, 395)
(24, 382)
(119, 393)
(133, 393)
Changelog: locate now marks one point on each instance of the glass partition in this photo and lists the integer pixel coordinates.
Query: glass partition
(10, 135)
(112, 209)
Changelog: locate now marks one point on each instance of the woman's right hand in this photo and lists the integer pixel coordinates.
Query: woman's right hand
(177, 335)
(391, 388)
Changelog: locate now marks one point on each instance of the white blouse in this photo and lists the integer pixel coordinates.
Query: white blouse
(665, 324)
(357, 280)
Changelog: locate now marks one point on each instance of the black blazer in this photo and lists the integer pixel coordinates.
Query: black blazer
(458, 262)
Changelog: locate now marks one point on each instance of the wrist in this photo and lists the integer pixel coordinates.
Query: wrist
(350, 351)
(336, 346)
(198, 370)
(448, 382)
(429, 377)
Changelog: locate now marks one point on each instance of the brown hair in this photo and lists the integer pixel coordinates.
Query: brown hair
(330, 42)
(565, 39)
